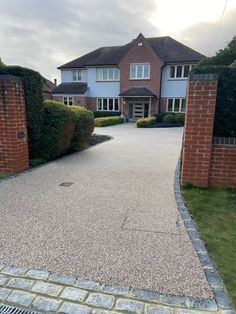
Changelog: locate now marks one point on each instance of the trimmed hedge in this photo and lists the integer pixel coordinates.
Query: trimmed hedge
(107, 121)
(83, 128)
(179, 118)
(145, 122)
(100, 114)
(169, 117)
(64, 129)
(225, 115)
(33, 83)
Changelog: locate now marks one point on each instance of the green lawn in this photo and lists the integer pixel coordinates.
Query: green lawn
(214, 211)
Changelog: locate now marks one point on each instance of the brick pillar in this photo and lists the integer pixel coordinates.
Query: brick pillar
(13, 131)
(199, 122)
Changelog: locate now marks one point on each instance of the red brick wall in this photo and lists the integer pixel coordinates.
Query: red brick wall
(141, 55)
(223, 166)
(199, 121)
(14, 155)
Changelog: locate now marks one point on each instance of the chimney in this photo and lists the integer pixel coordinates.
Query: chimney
(55, 81)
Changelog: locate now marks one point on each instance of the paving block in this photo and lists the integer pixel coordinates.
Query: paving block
(174, 300)
(129, 306)
(144, 294)
(183, 311)
(14, 271)
(88, 284)
(21, 297)
(20, 283)
(47, 288)
(100, 300)
(116, 289)
(62, 278)
(3, 279)
(45, 304)
(71, 308)
(74, 294)
(4, 293)
(203, 304)
(158, 309)
(38, 274)
(222, 298)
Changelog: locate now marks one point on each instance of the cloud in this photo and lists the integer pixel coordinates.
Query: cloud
(45, 34)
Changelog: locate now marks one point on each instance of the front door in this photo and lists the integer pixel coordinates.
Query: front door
(138, 110)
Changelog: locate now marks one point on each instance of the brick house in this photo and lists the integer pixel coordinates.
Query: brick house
(141, 78)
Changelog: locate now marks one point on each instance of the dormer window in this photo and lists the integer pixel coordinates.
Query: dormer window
(77, 75)
(140, 44)
(139, 71)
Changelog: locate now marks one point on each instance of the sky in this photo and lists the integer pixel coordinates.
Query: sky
(44, 34)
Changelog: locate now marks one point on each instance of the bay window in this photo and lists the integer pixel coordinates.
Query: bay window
(108, 104)
(175, 105)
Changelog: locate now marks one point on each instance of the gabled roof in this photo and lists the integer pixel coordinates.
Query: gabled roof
(71, 88)
(138, 91)
(166, 48)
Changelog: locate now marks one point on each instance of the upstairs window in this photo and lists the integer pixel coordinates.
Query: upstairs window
(140, 71)
(77, 75)
(108, 74)
(180, 71)
(175, 105)
(68, 101)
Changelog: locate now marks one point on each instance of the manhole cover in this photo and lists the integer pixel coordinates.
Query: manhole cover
(66, 184)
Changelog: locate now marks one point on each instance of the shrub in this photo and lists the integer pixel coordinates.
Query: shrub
(179, 118)
(58, 129)
(83, 128)
(145, 122)
(160, 116)
(107, 121)
(33, 82)
(169, 117)
(99, 114)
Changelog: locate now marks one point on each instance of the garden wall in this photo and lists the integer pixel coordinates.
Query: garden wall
(206, 161)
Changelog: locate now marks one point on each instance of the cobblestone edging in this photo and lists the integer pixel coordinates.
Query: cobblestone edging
(221, 297)
(51, 292)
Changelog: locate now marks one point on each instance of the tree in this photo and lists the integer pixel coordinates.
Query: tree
(224, 56)
(1, 63)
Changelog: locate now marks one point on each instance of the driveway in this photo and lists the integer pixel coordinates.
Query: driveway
(117, 223)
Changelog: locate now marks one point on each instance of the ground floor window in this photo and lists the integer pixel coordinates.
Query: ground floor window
(68, 101)
(175, 105)
(108, 104)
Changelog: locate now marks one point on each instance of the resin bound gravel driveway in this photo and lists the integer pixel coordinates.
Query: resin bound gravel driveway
(117, 223)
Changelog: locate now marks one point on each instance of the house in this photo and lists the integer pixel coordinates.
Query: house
(141, 78)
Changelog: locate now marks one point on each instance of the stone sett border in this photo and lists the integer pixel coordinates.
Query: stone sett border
(47, 292)
(221, 297)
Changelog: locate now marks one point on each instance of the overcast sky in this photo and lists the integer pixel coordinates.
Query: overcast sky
(43, 34)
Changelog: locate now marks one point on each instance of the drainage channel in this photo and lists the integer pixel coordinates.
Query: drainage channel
(6, 309)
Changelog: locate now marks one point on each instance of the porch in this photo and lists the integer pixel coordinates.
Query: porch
(137, 103)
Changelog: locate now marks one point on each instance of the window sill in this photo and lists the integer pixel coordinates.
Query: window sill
(178, 79)
(139, 79)
(108, 81)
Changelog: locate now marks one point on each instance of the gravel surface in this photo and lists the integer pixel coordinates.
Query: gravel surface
(117, 223)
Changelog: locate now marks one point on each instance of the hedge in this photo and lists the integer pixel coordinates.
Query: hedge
(225, 115)
(145, 122)
(179, 118)
(169, 117)
(33, 83)
(64, 129)
(83, 128)
(107, 121)
(99, 114)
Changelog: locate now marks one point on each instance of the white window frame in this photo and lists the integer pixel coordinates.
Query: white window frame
(101, 77)
(108, 99)
(76, 74)
(182, 71)
(68, 100)
(173, 105)
(136, 71)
